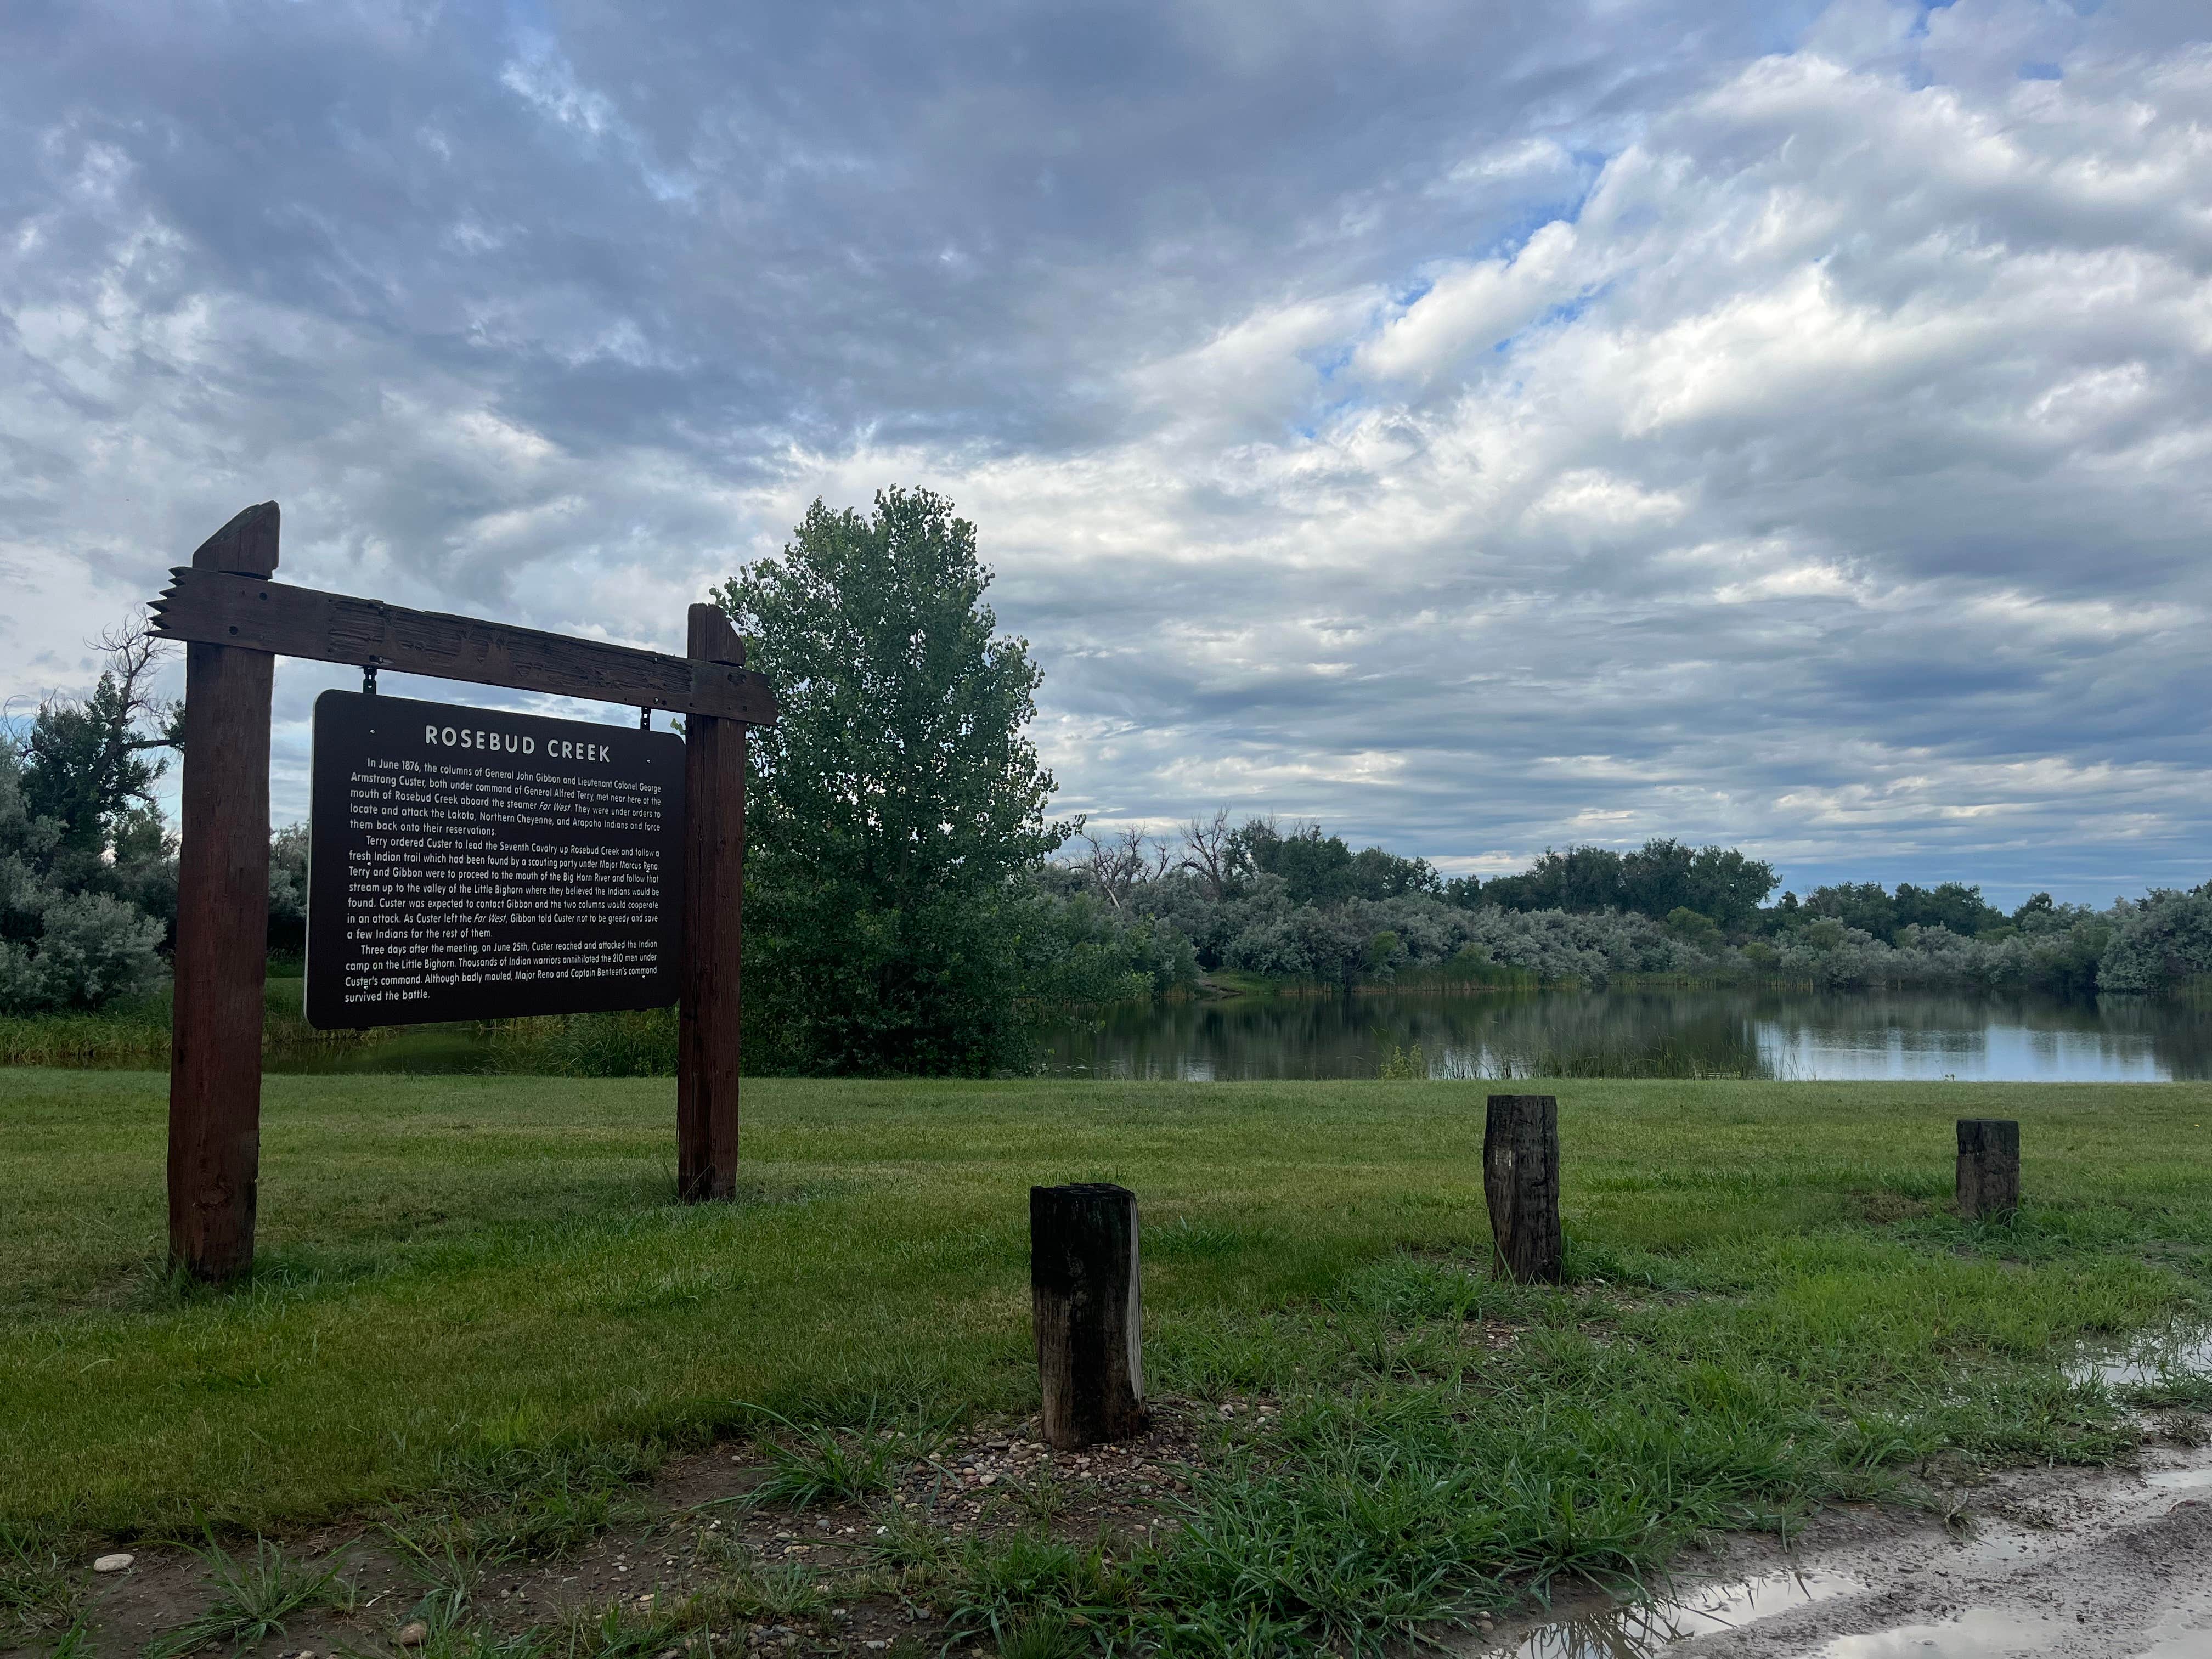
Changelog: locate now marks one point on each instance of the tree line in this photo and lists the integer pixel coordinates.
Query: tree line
(1686, 887)
(910, 907)
(1301, 904)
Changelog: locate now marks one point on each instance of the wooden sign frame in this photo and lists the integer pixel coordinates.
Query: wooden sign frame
(236, 622)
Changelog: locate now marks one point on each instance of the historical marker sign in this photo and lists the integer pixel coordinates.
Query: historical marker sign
(457, 874)
(470, 864)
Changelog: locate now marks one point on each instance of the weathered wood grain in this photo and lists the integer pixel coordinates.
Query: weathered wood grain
(218, 607)
(1521, 1179)
(1087, 1297)
(222, 920)
(708, 1031)
(247, 546)
(1989, 1167)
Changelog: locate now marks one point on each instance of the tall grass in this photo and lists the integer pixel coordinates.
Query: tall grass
(137, 1033)
(1668, 1059)
(630, 1044)
(40, 1588)
(137, 1036)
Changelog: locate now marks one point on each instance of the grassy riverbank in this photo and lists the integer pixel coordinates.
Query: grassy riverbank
(463, 1276)
(137, 1033)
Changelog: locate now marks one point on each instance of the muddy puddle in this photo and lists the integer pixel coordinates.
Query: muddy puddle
(2184, 1357)
(1976, 1633)
(1638, 1628)
(2110, 1564)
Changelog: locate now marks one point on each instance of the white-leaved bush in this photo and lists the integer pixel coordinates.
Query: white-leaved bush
(2148, 946)
(61, 950)
(2161, 940)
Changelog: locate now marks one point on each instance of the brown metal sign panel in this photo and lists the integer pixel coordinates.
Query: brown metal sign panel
(473, 864)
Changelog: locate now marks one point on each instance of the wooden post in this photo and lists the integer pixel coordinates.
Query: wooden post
(714, 899)
(223, 930)
(1085, 1287)
(1521, 1179)
(1989, 1167)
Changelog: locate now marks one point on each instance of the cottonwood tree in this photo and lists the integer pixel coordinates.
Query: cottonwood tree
(1211, 852)
(90, 763)
(87, 883)
(896, 806)
(1117, 864)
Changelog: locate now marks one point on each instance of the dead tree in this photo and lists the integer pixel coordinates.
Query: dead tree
(1210, 851)
(1118, 863)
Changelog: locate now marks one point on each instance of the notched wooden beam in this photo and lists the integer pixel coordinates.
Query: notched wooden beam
(247, 546)
(223, 609)
(711, 636)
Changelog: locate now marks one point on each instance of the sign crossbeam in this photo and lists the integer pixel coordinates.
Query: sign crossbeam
(215, 607)
(234, 622)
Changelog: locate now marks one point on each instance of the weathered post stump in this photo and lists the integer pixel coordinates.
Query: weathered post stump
(1989, 1167)
(1084, 1283)
(1521, 1179)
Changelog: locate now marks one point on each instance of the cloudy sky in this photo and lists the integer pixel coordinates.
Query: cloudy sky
(1476, 425)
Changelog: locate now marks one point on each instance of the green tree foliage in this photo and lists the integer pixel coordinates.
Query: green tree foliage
(1319, 869)
(1658, 878)
(896, 810)
(1294, 906)
(88, 871)
(1694, 928)
(1723, 884)
(1952, 905)
(62, 945)
(86, 770)
(2160, 942)
(1077, 948)
(288, 893)
(1866, 906)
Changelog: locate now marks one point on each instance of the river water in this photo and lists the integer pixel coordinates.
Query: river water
(1704, 1033)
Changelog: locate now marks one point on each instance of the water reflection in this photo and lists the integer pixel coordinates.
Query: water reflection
(1641, 1629)
(1718, 1033)
(2172, 1357)
(1976, 1634)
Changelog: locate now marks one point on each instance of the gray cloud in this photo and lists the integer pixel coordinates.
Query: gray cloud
(1476, 425)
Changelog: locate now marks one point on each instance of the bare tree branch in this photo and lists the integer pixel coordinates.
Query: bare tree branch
(1119, 862)
(1209, 852)
(135, 654)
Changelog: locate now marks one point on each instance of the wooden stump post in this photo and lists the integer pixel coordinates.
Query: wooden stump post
(1521, 1179)
(1989, 1167)
(707, 1034)
(223, 930)
(1085, 1287)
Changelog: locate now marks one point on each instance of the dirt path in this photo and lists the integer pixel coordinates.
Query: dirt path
(2061, 1565)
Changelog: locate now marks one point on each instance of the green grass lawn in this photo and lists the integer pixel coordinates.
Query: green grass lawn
(1769, 1304)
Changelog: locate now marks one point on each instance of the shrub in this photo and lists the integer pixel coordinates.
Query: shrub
(2160, 942)
(90, 951)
